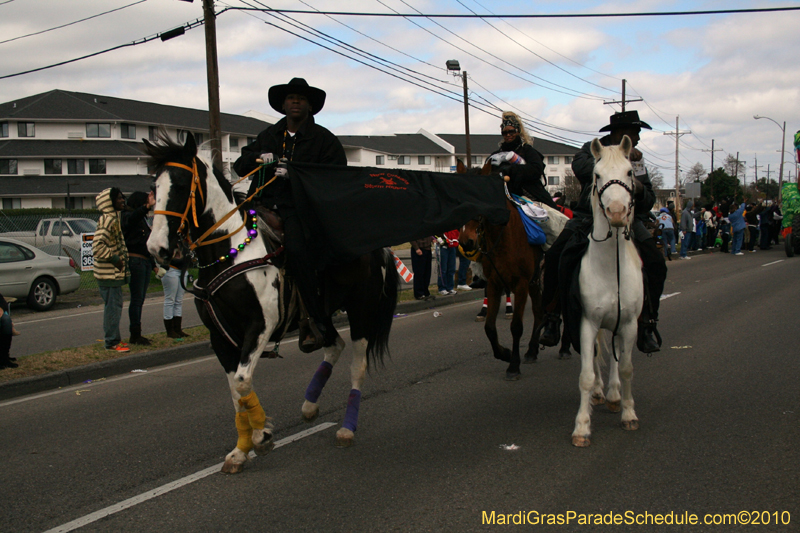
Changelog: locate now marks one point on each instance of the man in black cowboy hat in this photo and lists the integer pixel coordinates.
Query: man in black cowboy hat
(296, 137)
(621, 124)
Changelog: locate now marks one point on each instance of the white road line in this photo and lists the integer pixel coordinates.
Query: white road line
(774, 262)
(665, 296)
(149, 495)
(73, 315)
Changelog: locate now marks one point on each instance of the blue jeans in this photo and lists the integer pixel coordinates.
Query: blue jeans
(738, 238)
(447, 268)
(140, 280)
(112, 313)
(463, 266)
(688, 239)
(173, 293)
(668, 235)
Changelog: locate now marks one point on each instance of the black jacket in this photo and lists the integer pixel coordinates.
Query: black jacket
(135, 229)
(525, 180)
(311, 144)
(583, 167)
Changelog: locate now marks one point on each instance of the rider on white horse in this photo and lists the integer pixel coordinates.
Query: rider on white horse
(621, 124)
(295, 138)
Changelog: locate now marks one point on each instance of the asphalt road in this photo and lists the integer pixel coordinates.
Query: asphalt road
(718, 409)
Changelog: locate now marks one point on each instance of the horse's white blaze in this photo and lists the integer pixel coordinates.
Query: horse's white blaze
(609, 297)
(159, 233)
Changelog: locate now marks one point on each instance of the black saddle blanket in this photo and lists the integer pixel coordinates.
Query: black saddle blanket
(350, 211)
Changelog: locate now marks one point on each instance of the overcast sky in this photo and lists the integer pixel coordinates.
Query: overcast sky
(714, 71)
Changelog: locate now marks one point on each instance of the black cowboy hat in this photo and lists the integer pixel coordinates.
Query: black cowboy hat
(278, 93)
(628, 118)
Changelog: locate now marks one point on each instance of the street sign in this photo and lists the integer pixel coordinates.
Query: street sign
(692, 190)
(87, 257)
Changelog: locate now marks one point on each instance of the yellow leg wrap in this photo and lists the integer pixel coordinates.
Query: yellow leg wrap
(255, 413)
(245, 442)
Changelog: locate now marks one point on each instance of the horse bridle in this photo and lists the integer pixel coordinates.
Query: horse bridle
(600, 192)
(191, 205)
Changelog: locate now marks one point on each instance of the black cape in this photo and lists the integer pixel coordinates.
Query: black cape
(350, 211)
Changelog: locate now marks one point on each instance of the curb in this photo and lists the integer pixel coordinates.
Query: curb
(166, 356)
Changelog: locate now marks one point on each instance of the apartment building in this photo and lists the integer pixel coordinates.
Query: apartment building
(60, 148)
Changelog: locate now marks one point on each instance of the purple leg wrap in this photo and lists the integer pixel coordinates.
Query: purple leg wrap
(351, 416)
(318, 381)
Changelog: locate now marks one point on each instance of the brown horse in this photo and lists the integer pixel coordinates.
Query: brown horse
(509, 264)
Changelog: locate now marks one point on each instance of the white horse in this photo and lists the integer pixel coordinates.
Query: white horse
(611, 289)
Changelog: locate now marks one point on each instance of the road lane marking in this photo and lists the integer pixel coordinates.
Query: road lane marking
(665, 296)
(150, 494)
(774, 262)
(73, 315)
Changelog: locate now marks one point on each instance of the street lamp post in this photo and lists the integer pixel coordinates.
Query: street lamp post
(454, 67)
(783, 147)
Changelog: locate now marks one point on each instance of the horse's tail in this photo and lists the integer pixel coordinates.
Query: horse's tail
(381, 320)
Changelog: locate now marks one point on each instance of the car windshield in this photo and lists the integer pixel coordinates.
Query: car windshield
(82, 226)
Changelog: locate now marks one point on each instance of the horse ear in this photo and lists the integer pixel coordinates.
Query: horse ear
(190, 146)
(597, 148)
(626, 145)
(487, 168)
(460, 168)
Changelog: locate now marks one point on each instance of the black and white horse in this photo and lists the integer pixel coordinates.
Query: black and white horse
(240, 296)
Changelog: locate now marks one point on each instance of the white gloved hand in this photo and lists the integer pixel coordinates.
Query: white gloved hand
(267, 158)
(161, 272)
(282, 172)
(503, 157)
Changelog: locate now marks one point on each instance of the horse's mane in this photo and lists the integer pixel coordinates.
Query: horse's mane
(164, 150)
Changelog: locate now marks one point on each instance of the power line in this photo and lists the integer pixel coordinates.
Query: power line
(540, 16)
(187, 26)
(69, 23)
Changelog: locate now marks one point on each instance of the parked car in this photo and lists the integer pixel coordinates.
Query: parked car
(56, 235)
(35, 276)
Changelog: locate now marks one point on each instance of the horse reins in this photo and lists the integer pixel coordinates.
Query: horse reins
(191, 205)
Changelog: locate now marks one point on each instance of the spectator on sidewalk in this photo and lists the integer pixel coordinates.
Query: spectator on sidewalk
(6, 333)
(463, 266)
(111, 264)
(448, 244)
(738, 225)
(421, 265)
(710, 218)
(751, 216)
(687, 229)
(777, 222)
(667, 232)
(764, 226)
(136, 232)
(173, 296)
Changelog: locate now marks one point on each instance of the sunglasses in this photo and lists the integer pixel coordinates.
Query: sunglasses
(508, 132)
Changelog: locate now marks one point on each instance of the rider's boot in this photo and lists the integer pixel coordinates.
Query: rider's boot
(551, 330)
(648, 340)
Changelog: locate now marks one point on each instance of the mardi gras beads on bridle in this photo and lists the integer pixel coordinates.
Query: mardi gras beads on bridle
(252, 233)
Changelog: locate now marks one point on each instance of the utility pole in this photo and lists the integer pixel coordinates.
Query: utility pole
(623, 101)
(712, 165)
(212, 73)
(466, 120)
(677, 133)
(755, 170)
(768, 173)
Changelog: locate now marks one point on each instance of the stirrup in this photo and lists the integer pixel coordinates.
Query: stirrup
(551, 330)
(644, 342)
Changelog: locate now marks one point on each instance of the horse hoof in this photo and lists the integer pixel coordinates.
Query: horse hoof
(530, 359)
(344, 438)
(513, 376)
(564, 355)
(509, 316)
(266, 445)
(480, 319)
(232, 468)
(613, 407)
(504, 355)
(581, 442)
(630, 425)
(310, 411)
(598, 399)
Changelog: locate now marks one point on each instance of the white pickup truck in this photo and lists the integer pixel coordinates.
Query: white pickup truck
(52, 235)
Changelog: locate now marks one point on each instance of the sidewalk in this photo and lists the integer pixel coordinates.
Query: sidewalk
(126, 364)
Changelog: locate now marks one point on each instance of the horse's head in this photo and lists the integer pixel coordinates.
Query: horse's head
(613, 182)
(179, 185)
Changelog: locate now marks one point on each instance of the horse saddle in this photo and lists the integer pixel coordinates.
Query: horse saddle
(270, 227)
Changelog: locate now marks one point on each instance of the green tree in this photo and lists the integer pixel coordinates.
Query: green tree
(718, 185)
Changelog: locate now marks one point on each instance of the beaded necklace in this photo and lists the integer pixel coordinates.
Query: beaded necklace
(252, 233)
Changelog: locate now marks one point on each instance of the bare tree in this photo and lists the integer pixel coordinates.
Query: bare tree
(696, 173)
(734, 168)
(656, 177)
